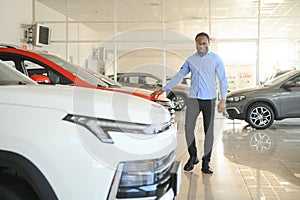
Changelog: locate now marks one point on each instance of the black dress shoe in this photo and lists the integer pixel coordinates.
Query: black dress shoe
(207, 171)
(205, 168)
(190, 163)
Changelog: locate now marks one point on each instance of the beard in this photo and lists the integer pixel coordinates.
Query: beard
(202, 51)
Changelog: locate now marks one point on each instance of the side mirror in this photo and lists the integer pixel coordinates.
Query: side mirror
(41, 79)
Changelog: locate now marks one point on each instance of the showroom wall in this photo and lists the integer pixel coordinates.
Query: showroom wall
(253, 37)
(156, 36)
(12, 15)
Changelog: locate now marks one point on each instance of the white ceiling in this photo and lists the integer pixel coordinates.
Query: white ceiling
(278, 17)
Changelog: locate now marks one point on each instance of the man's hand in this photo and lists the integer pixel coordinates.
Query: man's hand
(221, 106)
(156, 94)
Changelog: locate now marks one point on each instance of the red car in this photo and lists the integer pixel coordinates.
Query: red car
(49, 69)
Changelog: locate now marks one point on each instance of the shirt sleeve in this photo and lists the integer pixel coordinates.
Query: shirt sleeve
(184, 70)
(221, 74)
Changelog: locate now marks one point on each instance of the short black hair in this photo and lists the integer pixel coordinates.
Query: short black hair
(202, 34)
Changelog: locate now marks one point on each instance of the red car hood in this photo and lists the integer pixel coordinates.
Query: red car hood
(137, 92)
(143, 93)
(126, 90)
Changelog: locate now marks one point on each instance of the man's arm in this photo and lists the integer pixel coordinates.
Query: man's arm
(222, 80)
(223, 86)
(184, 70)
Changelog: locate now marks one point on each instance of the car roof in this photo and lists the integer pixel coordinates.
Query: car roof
(9, 46)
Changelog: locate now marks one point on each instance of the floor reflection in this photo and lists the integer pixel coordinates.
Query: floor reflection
(271, 155)
(247, 163)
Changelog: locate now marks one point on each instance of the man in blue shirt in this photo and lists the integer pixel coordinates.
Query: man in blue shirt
(205, 66)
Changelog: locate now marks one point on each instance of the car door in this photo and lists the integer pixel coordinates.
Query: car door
(290, 98)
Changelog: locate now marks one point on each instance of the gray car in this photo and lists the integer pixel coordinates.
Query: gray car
(178, 95)
(275, 100)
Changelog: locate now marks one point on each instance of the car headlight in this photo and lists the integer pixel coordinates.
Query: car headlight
(235, 99)
(170, 107)
(145, 172)
(101, 127)
(166, 104)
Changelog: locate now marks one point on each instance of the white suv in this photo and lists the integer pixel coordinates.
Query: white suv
(64, 142)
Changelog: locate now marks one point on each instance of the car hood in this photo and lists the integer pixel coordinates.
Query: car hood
(142, 93)
(86, 102)
(247, 90)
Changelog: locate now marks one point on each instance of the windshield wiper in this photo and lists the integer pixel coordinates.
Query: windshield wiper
(114, 86)
(21, 83)
(102, 86)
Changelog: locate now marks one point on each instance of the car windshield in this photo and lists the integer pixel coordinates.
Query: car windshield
(10, 76)
(278, 79)
(76, 70)
(107, 80)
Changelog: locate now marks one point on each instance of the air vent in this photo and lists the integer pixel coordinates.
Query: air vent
(36, 34)
(41, 35)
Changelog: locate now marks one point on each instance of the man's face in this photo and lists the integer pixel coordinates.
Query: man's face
(202, 44)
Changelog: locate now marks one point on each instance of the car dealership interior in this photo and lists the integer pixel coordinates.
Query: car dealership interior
(92, 43)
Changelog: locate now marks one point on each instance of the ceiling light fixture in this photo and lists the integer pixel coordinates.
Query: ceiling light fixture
(272, 1)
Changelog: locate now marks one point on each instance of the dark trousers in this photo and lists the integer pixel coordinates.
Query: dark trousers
(194, 107)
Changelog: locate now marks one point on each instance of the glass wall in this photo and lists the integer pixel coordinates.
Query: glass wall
(254, 37)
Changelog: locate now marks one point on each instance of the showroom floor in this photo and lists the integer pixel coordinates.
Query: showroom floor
(247, 163)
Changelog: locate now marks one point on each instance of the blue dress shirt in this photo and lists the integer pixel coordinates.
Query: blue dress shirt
(204, 71)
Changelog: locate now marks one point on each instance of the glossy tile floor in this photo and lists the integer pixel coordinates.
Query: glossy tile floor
(247, 163)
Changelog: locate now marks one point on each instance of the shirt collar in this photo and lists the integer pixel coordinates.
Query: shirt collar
(208, 53)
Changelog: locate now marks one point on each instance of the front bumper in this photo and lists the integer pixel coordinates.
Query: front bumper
(165, 189)
(233, 112)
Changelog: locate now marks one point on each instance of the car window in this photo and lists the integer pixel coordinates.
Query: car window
(30, 67)
(10, 63)
(34, 68)
(278, 79)
(13, 61)
(142, 80)
(122, 79)
(10, 76)
(151, 80)
(133, 79)
(296, 81)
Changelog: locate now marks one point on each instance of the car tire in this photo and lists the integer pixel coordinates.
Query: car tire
(12, 188)
(260, 116)
(178, 100)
